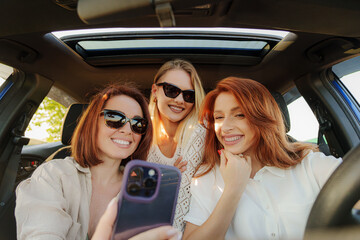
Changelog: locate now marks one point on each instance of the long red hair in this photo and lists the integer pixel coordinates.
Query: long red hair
(264, 116)
(83, 142)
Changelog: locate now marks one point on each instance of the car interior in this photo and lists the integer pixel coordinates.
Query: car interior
(67, 49)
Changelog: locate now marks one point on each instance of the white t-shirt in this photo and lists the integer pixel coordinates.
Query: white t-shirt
(192, 153)
(275, 204)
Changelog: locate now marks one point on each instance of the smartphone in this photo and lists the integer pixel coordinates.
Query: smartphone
(147, 199)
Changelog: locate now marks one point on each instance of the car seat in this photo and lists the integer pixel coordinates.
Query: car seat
(285, 112)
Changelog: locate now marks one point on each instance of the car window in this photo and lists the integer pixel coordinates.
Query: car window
(5, 72)
(352, 83)
(304, 126)
(348, 85)
(45, 125)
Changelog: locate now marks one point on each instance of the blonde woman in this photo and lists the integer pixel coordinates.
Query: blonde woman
(175, 101)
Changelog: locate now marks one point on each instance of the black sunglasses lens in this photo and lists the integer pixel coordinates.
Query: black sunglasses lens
(139, 125)
(117, 120)
(171, 91)
(189, 96)
(114, 119)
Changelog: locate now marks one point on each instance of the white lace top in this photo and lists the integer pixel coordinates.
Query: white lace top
(192, 153)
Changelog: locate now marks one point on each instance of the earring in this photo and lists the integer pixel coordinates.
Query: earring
(155, 100)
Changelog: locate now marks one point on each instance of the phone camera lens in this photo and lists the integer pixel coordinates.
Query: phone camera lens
(150, 182)
(134, 189)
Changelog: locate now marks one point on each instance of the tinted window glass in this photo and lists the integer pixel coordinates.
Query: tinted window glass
(304, 126)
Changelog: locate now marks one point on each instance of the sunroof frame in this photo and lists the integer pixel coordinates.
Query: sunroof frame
(108, 57)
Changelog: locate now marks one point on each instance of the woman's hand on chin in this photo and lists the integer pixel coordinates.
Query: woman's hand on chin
(235, 170)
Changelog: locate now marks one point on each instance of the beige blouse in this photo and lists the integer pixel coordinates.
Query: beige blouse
(192, 153)
(54, 202)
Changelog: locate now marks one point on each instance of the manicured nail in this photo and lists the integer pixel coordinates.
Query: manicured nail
(219, 152)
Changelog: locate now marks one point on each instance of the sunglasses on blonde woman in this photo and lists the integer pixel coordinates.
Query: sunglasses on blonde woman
(173, 91)
(116, 119)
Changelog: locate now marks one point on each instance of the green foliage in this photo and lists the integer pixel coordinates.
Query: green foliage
(314, 140)
(50, 115)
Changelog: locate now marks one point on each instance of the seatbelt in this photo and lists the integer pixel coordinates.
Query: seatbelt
(324, 125)
(323, 147)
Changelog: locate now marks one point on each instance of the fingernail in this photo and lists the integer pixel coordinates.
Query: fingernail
(219, 152)
(179, 235)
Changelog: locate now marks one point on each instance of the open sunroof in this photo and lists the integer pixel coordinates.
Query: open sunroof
(126, 46)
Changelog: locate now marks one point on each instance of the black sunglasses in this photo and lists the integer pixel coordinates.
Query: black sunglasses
(173, 91)
(115, 119)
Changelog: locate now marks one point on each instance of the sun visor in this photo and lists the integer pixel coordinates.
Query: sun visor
(96, 12)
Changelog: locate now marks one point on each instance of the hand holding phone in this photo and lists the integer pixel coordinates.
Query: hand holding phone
(147, 199)
(104, 228)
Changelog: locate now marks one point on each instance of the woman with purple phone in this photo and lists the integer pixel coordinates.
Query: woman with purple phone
(175, 101)
(65, 198)
(253, 183)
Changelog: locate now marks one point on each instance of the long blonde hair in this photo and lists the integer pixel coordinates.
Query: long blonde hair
(183, 132)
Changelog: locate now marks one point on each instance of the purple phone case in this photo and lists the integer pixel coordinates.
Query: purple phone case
(137, 214)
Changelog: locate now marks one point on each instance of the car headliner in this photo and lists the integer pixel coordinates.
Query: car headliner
(25, 25)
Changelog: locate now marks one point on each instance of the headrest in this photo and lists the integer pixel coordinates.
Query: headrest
(72, 117)
(283, 107)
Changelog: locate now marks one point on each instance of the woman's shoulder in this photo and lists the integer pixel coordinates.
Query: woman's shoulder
(196, 129)
(66, 166)
(320, 159)
(198, 135)
(320, 166)
(210, 177)
(49, 175)
(199, 129)
(205, 185)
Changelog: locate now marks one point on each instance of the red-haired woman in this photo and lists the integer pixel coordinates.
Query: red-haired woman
(65, 198)
(261, 186)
